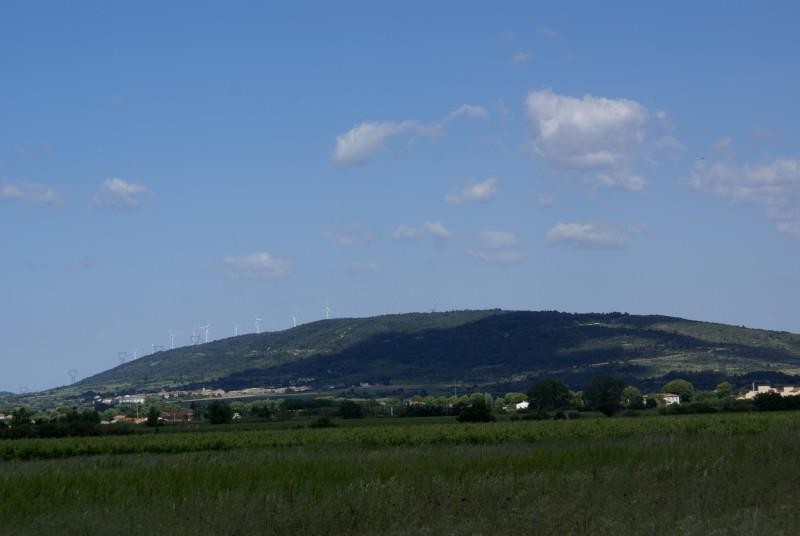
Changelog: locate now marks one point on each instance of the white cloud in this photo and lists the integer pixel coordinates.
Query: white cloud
(492, 239)
(437, 229)
(520, 56)
(594, 235)
(497, 246)
(356, 146)
(405, 232)
(118, 193)
(477, 192)
(469, 110)
(501, 256)
(30, 192)
(772, 188)
(256, 266)
(432, 228)
(595, 139)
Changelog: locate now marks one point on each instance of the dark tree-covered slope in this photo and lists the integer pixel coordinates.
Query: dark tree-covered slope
(481, 347)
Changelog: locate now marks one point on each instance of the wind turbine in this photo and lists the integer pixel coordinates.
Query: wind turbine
(258, 325)
(73, 375)
(206, 329)
(294, 320)
(122, 356)
(171, 341)
(195, 338)
(327, 311)
(235, 329)
(135, 353)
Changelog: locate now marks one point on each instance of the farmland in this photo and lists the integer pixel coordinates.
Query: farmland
(701, 474)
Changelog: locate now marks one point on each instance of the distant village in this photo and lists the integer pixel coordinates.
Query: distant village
(197, 394)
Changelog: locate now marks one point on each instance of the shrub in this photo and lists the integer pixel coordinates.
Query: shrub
(477, 411)
(322, 422)
(219, 412)
(350, 410)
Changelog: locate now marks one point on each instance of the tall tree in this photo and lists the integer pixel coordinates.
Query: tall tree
(219, 412)
(547, 395)
(604, 393)
(682, 388)
(632, 398)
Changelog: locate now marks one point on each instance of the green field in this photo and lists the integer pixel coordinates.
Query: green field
(699, 474)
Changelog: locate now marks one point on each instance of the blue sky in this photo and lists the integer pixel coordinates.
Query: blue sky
(165, 165)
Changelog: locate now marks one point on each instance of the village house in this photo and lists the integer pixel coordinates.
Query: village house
(131, 399)
(669, 398)
(179, 415)
(764, 389)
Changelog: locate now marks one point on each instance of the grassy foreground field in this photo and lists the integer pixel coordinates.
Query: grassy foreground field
(714, 474)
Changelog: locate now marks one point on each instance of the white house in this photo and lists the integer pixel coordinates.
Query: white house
(132, 399)
(669, 398)
(521, 405)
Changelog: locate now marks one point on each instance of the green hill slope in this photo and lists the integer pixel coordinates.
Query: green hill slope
(473, 347)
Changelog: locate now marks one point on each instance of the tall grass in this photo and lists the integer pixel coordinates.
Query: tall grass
(692, 475)
(393, 435)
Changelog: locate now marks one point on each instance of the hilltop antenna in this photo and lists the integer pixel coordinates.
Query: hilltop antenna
(258, 325)
(206, 329)
(73, 375)
(235, 329)
(171, 341)
(122, 356)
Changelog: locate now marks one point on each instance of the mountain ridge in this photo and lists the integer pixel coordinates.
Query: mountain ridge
(481, 347)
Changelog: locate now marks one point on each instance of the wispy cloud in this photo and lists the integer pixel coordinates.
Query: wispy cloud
(493, 239)
(497, 246)
(520, 56)
(364, 267)
(469, 110)
(772, 188)
(481, 192)
(259, 265)
(118, 193)
(435, 229)
(356, 146)
(591, 235)
(545, 199)
(30, 192)
(20, 150)
(501, 256)
(595, 139)
(547, 32)
(340, 239)
(724, 144)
